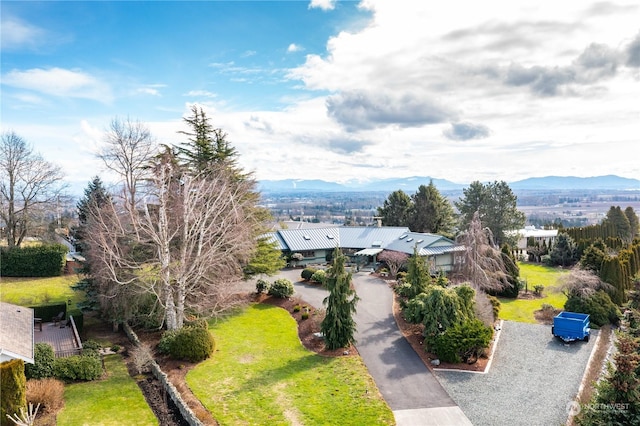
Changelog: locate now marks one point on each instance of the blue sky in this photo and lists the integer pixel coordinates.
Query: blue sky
(336, 90)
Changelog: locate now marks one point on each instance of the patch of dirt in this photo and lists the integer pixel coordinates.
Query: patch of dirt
(545, 316)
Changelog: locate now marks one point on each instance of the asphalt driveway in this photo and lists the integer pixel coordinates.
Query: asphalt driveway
(413, 393)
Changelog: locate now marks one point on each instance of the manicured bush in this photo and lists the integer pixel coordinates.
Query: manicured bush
(262, 286)
(495, 303)
(538, 289)
(166, 341)
(305, 315)
(296, 308)
(78, 367)
(401, 276)
(598, 305)
(307, 273)
(281, 288)
(49, 393)
(192, 344)
(462, 341)
(319, 276)
(403, 289)
(197, 322)
(44, 358)
(12, 389)
(45, 260)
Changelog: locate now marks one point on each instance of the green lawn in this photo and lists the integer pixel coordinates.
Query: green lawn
(261, 374)
(116, 400)
(521, 310)
(35, 291)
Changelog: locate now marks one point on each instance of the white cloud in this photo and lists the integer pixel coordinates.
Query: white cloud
(148, 91)
(17, 34)
(201, 94)
(59, 82)
(294, 48)
(322, 4)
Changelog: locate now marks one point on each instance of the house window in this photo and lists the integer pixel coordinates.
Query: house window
(308, 253)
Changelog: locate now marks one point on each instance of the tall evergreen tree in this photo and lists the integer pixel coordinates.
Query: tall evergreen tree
(634, 222)
(418, 275)
(617, 218)
(338, 326)
(206, 145)
(564, 252)
(431, 212)
(396, 209)
(496, 205)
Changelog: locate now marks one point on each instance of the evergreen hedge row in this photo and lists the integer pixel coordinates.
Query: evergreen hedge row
(45, 260)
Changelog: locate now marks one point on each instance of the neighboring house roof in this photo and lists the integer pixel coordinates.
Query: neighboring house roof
(16, 332)
(363, 238)
(532, 231)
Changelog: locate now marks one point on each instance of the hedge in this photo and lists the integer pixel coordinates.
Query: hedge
(13, 388)
(48, 312)
(45, 260)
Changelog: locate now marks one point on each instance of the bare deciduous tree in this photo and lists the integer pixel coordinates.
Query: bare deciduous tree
(582, 283)
(481, 262)
(394, 260)
(195, 233)
(28, 185)
(129, 147)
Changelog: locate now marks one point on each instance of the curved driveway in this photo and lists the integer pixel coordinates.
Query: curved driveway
(413, 393)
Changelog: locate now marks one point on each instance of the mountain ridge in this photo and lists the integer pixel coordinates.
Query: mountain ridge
(411, 184)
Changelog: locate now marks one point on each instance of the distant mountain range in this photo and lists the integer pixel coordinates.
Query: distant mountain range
(411, 184)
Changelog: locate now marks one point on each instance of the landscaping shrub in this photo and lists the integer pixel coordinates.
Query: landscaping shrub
(197, 322)
(44, 358)
(401, 276)
(296, 308)
(262, 286)
(307, 273)
(142, 358)
(319, 276)
(281, 288)
(49, 393)
(462, 341)
(495, 303)
(538, 289)
(12, 389)
(48, 312)
(598, 305)
(45, 260)
(78, 367)
(191, 344)
(404, 289)
(166, 340)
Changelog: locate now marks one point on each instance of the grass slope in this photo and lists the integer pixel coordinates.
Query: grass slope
(261, 374)
(35, 291)
(116, 400)
(522, 310)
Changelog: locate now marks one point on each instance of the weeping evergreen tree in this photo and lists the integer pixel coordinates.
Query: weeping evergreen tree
(338, 326)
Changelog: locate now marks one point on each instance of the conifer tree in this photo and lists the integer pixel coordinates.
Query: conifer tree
(418, 276)
(338, 326)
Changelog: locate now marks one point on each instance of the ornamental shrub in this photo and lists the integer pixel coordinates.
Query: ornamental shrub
(462, 341)
(49, 393)
(495, 303)
(44, 357)
(193, 344)
(262, 286)
(307, 273)
(319, 276)
(598, 305)
(281, 288)
(78, 367)
(12, 388)
(166, 341)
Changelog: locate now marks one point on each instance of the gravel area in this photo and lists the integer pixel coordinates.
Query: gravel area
(532, 379)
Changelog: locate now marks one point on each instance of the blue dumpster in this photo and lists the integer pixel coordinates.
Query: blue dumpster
(570, 326)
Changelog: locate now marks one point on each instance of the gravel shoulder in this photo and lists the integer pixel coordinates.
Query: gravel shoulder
(533, 378)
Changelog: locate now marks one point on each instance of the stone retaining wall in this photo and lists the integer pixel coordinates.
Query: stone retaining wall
(171, 390)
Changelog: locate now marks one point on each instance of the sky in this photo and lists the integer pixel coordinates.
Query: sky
(341, 91)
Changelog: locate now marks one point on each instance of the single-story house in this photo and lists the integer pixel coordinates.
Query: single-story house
(16, 333)
(548, 236)
(362, 244)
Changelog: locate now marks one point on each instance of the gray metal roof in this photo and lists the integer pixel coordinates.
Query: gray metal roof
(426, 244)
